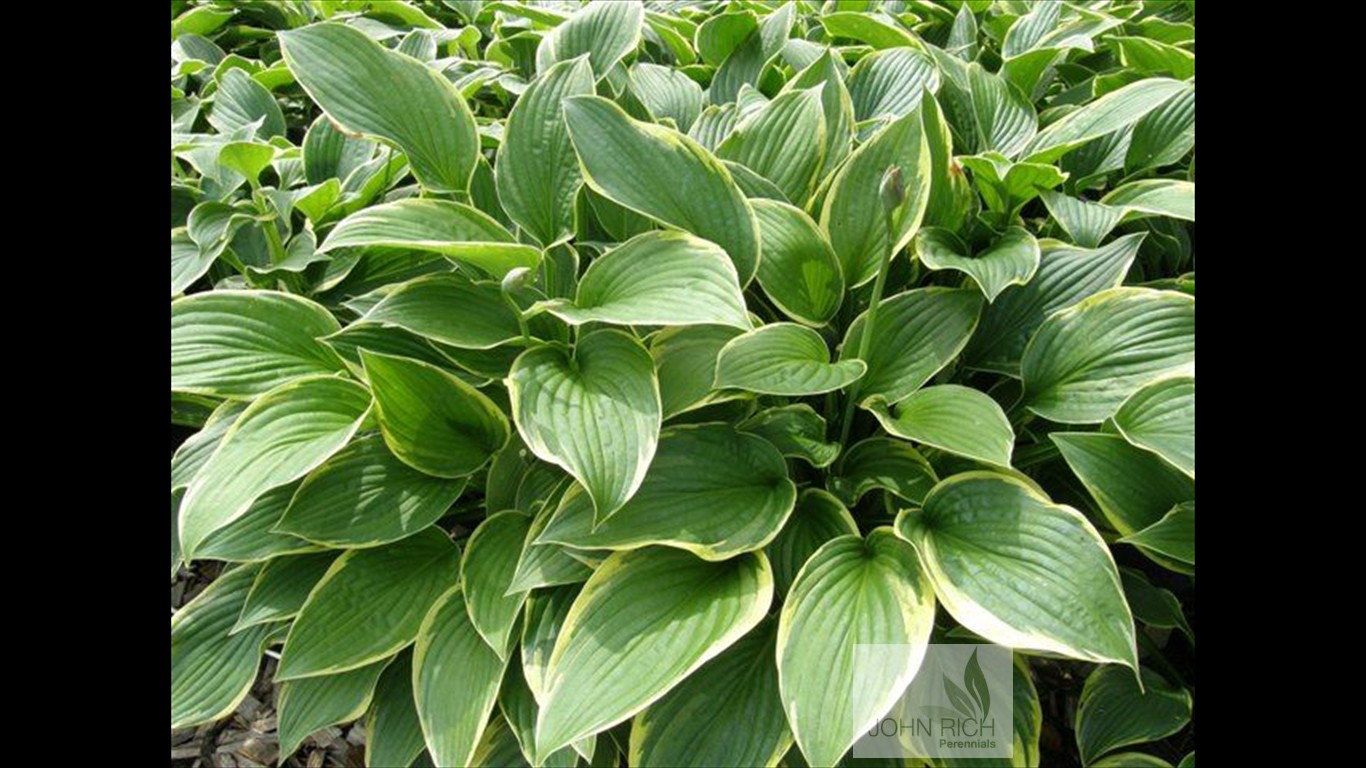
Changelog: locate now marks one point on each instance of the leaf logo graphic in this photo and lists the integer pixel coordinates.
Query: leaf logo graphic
(974, 702)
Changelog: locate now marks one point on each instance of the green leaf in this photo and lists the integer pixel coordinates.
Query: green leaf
(537, 172)
(667, 92)
(719, 35)
(545, 565)
(623, 158)
(818, 518)
(486, 572)
(365, 496)
(1021, 571)
(431, 420)
(1151, 57)
(281, 588)
(951, 197)
(658, 278)
(827, 73)
(874, 29)
(450, 309)
(278, 439)
(251, 537)
(1153, 606)
(710, 490)
(890, 83)
(795, 430)
(243, 343)
(1066, 275)
(368, 89)
(882, 462)
(1012, 259)
(1131, 760)
(212, 670)
(783, 359)
(241, 102)
(1132, 487)
(853, 216)
(685, 357)
(188, 261)
(1112, 112)
(918, 333)
(596, 414)
(1173, 536)
(746, 64)
(455, 680)
(645, 621)
(546, 611)
(852, 591)
(1084, 361)
(330, 154)
(1164, 136)
(726, 713)
(784, 142)
(1155, 197)
(604, 31)
(311, 704)
(960, 420)
(1116, 710)
(1161, 418)
(393, 735)
(1007, 186)
(799, 270)
(380, 595)
(1087, 223)
(463, 234)
(518, 706)
(1004, 119)
(246, 157)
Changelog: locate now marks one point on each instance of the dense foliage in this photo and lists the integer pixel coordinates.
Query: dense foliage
(568, 384)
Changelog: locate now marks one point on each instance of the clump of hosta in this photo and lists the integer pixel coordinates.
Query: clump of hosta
(581, 385)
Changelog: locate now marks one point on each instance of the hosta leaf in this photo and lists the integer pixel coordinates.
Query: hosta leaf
(960, 420)
(545, 565)
(212, 670)
(241, 102)
(795, 430)
(604, 31)
(450, 309)
(783, 359)
(623, 159)
(1066, 275)
(951, 196)
(1161, 418)
(877, 30)
(431, 420)
(1012, 259)
(874, 591)
(365, 496)
(726, 713)
(314, 703)
(546, 611)
(746, 64)
(710, 490)
(890, 83)
(818, 518)
(685, 357)
(188, 261)
(827, 73)
(518, 706)
(537, 172)
(486, 571)
(465, 235)
(243, 343)
(917, 333)
(882, 462)
(667, 92)
(783, 142)
(799, 270)
(197, 448)
(280, 438)
(393, 735)
(380, 595)
(1021, 571)
(1087, 223)
(658, 278)
(718, 36)
(1112, 112)
(252, 537)
(1173, 536)
(455, 681)
(1132, 487)
(330, 154)
(852, 215)
(644, 622)
(1163, 136)
(1116, 710)
(1084, 361)
(1154, 56)
(1004, 119)
(1155, 197)
(596, 414)
(366, 88)
(281, 588)
(1005, 186)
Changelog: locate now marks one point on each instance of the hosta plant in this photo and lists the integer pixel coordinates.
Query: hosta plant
(560, 384)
